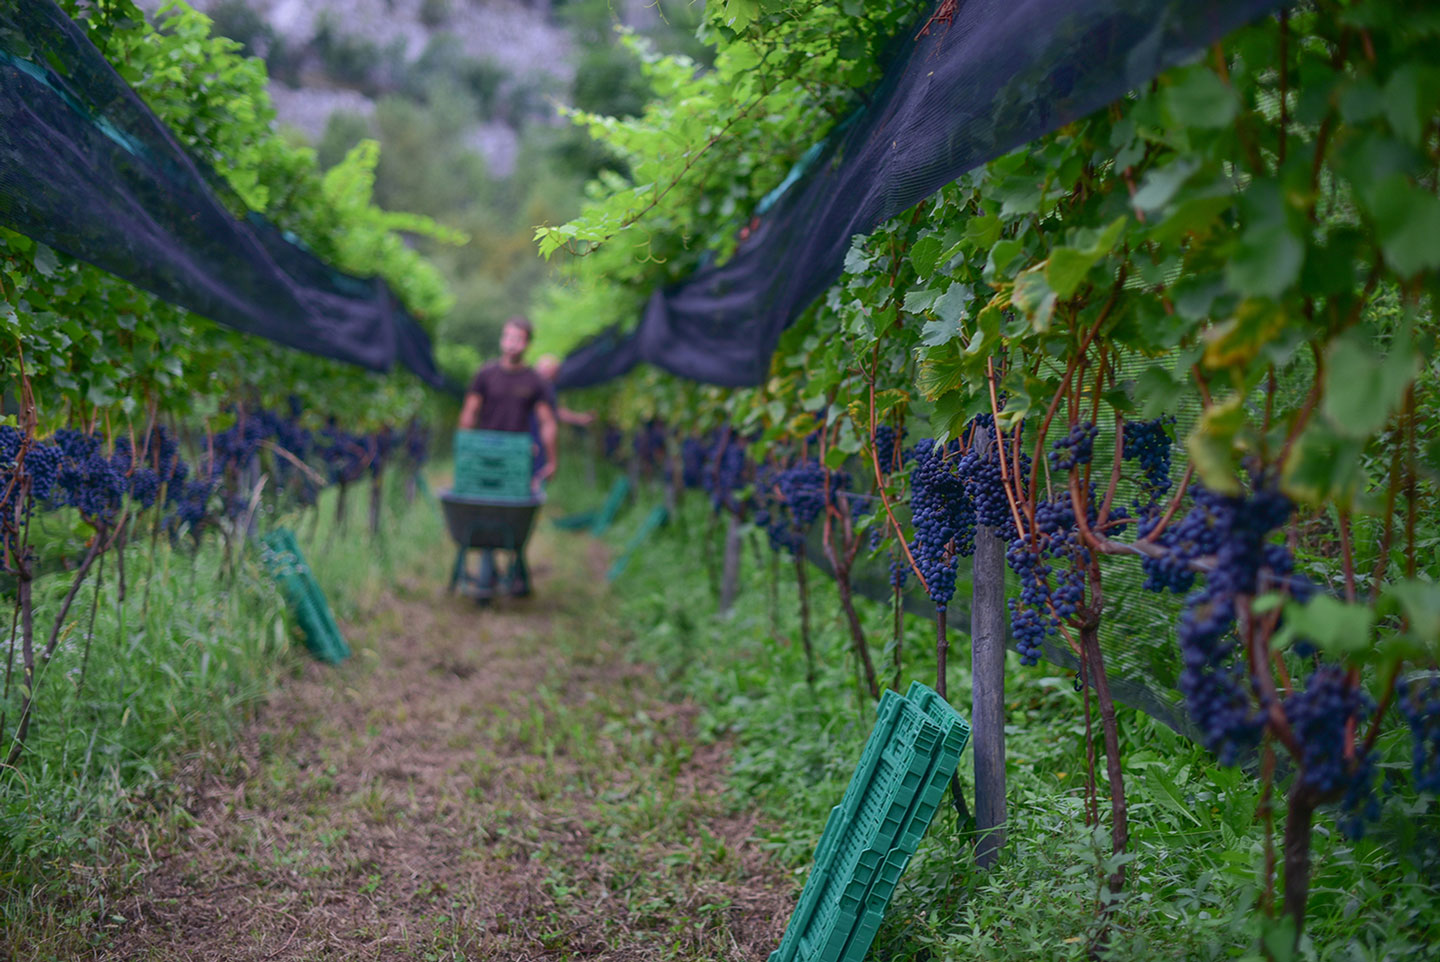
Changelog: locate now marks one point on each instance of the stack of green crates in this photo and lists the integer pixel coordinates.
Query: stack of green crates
(869, 838)
(494, 466)
(282, 558)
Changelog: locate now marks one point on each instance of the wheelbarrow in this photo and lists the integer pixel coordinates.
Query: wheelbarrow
(490, 525)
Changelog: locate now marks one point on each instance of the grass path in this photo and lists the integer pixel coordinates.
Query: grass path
(496, 784)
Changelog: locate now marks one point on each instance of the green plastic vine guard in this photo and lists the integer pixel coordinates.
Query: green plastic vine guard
(494, 465)
(286, 564)
(619, 491)
(658, 516)
(870, 836)
(598, 520)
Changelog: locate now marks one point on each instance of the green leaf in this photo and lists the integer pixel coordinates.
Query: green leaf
(937, 332)
(1068, 266)
(1408, 101)
(987, 329)
(952, 306)
(1279, 938)
(1338, 628)
(1168, 794)
(1199, 98)
(1156, 391)
(1191, 216)
(1420, 603)
(1362, 387)
(1322, 466)
(925, 254)
(1162, 183)
(1034, 298)
(1407, 220)
(983, 231)
(1212, 442)
(1002, 254)
(1238, 340)
(1265, 262)
(937, 376)
(920, 300)
(45, 260)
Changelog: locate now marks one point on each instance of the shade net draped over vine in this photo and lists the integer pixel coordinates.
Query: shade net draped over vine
(980, 78)
(88, 169)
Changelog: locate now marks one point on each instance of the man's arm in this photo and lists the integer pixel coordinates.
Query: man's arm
(470, 411)
(577, 419)
(545, 415)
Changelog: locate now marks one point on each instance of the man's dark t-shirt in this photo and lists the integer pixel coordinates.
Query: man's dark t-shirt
(509, 396)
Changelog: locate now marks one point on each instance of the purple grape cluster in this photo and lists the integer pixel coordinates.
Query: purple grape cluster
(943, 516)
(789, 500)
(192, 507)
(417, 442)
(72, 470)
(1149, 443)
(985, 480)
(41, 465)
(1323, 717)
(611, 441)
(899, 572)
(88, 481)
(693, 455)
(1051, 567)
(1234, 529)
(649, 443)
(1074, 449)
(887, 442)
(345, 455)
(1419, 703)
(723, 473)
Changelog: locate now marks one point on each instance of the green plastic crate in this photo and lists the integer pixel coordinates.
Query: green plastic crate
(283, 559)
(494, 465)
(869, 837)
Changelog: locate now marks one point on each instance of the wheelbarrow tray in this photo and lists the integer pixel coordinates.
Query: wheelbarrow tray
(489, 523)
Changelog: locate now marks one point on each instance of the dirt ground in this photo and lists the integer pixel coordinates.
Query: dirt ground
(497, 784)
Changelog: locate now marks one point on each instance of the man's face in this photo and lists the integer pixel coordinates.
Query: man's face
(513, 341)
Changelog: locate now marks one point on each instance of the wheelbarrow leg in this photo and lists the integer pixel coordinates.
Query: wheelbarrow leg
(485, 584)
(457, 571)
(520, 583)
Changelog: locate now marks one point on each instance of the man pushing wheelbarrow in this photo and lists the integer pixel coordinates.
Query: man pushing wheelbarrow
(505, 450)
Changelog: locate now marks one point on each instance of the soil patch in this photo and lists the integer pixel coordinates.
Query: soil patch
(475, 784)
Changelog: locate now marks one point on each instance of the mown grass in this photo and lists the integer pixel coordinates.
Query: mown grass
(473, 784)
(1196, 845)
(171, 675)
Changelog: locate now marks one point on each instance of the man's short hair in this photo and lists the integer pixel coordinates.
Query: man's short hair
(523, 323)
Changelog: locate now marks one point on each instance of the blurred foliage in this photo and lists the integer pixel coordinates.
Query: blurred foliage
(427, 117)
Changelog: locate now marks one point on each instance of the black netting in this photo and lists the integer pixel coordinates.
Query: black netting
(991, 76)
(88, 169)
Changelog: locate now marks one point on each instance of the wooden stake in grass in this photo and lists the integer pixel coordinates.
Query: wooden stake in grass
(898, 639)
(376, 491)
(803, 589)
(730, 572)
(987, 699)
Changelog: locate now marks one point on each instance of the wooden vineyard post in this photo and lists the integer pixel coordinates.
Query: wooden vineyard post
(987, 711)
(377, 493)
(730, 574)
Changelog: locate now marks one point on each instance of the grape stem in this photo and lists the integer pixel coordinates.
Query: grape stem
(1010, 496)
(880, 479)
(1104, 514)
(1159, 529)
